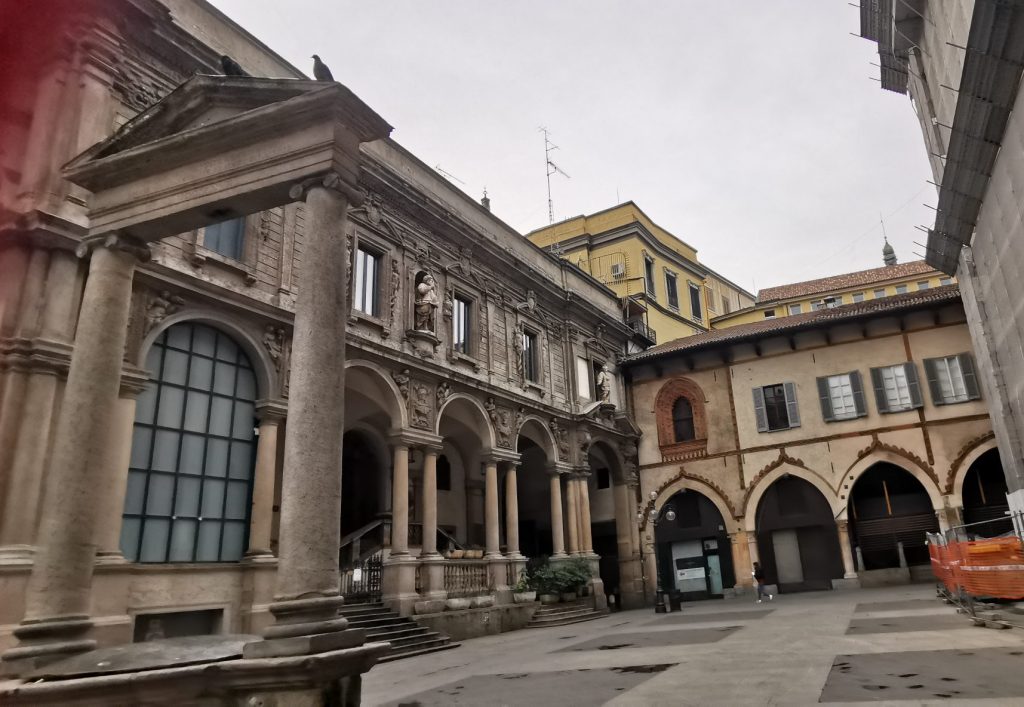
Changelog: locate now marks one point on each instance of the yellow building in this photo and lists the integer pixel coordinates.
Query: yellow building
(827, 292)
(666, 292)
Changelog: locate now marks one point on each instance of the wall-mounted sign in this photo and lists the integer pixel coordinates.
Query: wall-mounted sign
(691, 573)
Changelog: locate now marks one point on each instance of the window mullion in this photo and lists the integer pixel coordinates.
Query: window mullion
(181, 437)
(152, 448)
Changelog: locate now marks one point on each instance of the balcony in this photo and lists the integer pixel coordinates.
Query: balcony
(643, 330)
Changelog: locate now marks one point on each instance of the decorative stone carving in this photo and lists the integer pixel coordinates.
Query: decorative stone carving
(426, 302)
(160, 306)
(420, 408)
(373, 213)
(604, 385)
(501, 418)
(396, 286)
(585, 439)
(517, 345)
(444, 391)
(348, 264)
(402, 381)
(561, 439)
(449, 305)
(273, 340)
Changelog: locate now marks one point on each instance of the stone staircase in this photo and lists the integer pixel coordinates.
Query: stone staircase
(562, 614)
(407, 637)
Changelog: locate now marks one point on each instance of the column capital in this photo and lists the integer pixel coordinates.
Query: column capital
(271, 410)
(333, 181)
(133, 381)
(499, 456)
(558, 468)
(118, 241)
(408, 437)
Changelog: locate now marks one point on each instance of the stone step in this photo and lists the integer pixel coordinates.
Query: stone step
(562, 609)
(363, 609)
(399, 634)
(379, 622)
(401, 643)
(565, 615)
(565, 620)
(419, 649)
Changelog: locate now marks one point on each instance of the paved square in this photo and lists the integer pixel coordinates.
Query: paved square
(897, 605)
(925, 675)
(724, 616)
(902, 624)
(653, 639)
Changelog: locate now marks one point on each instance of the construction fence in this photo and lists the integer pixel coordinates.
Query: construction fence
(981, 560)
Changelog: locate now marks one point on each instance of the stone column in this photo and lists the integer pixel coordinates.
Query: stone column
(571, 505)
(270, 414)
(742, 564)
(512, 512)
(491, 519)
(399, 498)
(429, 548)
(755, 556)
(307, 592)
(56, 619)
(557, 525)
(586, 532)
(849, 569)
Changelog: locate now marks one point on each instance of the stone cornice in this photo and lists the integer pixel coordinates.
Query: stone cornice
(413, 438)
(271, 410)
(35, 355)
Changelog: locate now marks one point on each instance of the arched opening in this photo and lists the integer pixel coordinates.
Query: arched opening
(193, 451)
(605, 475)
(534, 487)
(363, 488)
(984, 497)
(466, 438)
(889, 506)
(797, 541)
(694, 551)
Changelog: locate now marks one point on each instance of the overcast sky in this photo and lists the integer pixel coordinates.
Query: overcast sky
(751, 130)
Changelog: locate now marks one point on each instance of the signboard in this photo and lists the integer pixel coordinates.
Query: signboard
(690, 573)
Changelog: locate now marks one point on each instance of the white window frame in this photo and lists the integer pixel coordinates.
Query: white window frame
(858, 297)
(769, 314)
(923, 285)
(881, 290)
(904, 287)
(462, 324)
(672, 288)
(583, 387)
(363, 289)
(698, 315)
(797, 308)
(649, 284)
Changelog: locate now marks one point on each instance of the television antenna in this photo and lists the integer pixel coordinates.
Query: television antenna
(550, 168)
(448, 175)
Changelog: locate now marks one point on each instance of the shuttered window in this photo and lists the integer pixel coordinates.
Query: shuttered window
(775, 407)
(896, 387)
(952, 379)
(842, 396)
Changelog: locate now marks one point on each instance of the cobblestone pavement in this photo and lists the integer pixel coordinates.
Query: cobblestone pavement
(897, 646)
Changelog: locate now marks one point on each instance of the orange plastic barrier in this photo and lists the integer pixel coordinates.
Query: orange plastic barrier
(983, 568)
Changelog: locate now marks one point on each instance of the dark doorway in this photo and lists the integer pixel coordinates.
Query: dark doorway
(984, 497)
(694, 551)
(361, 477)
(796, 537)
(889, 506)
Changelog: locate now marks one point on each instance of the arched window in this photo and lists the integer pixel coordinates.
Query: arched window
(190, 477)
(682, 420)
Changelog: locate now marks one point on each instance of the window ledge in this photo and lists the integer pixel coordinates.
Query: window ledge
(908, 408)
(200, 256)
(681, 451)
(459, 357)
(369, 320)
(535, 387)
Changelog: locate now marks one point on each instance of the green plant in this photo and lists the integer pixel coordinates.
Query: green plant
(525, 583)
(578, 572)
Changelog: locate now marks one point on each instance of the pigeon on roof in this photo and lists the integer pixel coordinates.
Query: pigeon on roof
(230, 67)
(320, 70)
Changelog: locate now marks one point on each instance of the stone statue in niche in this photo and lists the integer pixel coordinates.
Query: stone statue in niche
(604, 384)
(402, 381)
(426, 302)
(420, 405)
(273, 339)
(449, 305)
(396, 285)
(520, 350)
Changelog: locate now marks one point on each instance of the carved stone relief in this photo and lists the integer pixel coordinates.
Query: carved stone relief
(160, 306)
(420, 408)
(273, 340)
(561, 439)
(501, 418)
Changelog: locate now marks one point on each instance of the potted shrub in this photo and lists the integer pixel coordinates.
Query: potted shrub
(523, 592)
(577, 574)
(545, 582)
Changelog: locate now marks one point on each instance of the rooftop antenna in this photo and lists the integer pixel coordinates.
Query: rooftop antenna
(449, 175)
(551, 168)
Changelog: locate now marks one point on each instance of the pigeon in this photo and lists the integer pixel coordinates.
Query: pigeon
(320, 70)
(230, 67)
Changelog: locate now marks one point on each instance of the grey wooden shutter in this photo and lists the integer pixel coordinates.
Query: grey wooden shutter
(970, 376)
(759, 413)
(881, 400)
(791, 407)
(931, 372)
(858, 393)
(826, 400)
(910, 370)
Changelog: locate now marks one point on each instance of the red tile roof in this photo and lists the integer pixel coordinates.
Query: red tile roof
(842, 282)
(797, 322)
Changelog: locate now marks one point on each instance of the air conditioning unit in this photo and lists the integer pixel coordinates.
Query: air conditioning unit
(618, 270)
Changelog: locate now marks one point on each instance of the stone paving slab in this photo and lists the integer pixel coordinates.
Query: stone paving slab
(652, 639)
(865, 607)
(925, 675)
(725, 616)
(586, 686)
(902, 624)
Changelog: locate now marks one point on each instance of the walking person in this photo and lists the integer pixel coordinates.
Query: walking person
(759, 578)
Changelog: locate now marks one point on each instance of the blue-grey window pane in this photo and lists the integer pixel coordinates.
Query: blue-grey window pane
(145, 405)
(171, 402)
(192, 448)
(246, 384)
(178, 336)
(165, 451)
(238, 499)
(154, 540)
(135, 492)
(226, 349)
(241, 460)
(245, 419)
(130, 538)
(200, 375)
(160, 495)
(187, 496)
(220, 417)
(233, 544)
(196, 409)
(175, 367)
(153, 360)
(209, 541)
(224, 378)
(216, 457)
(213, 499)
(183, 537)
(142, 437)
(203, 340)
